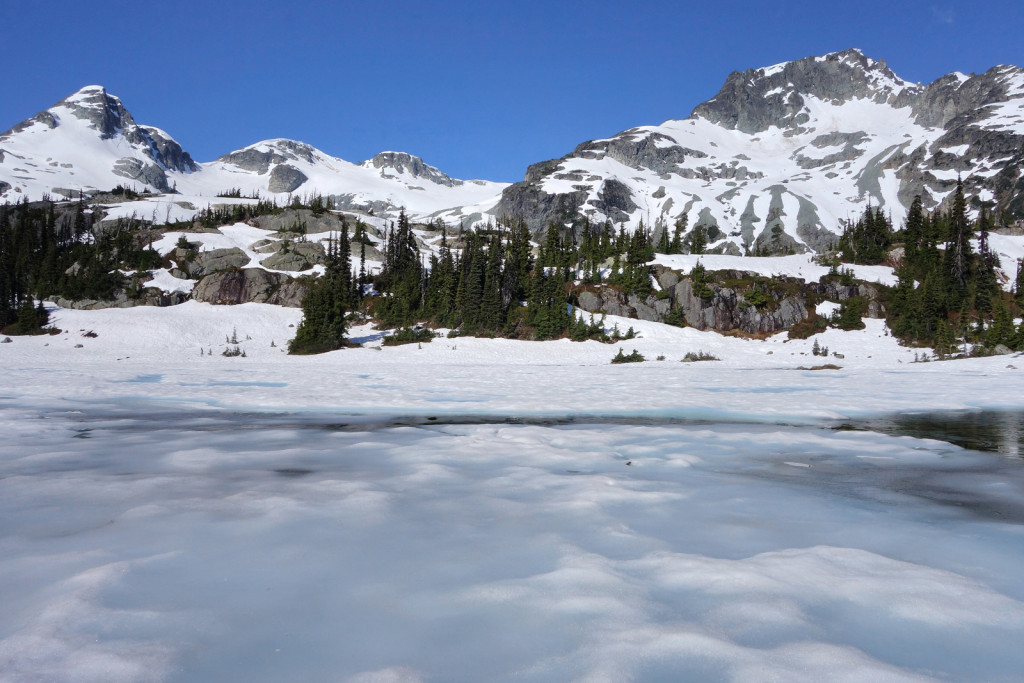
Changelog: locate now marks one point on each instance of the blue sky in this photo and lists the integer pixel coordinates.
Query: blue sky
(478, 89)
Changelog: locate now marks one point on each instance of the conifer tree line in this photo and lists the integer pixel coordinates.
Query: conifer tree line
(45, 253)
(491, 281)
(488, 283)
(946, 293)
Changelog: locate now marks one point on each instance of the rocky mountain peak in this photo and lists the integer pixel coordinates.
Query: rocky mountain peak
(751, 101)
(101, 110)
(408, 164)
(91, 111)
(259, 157)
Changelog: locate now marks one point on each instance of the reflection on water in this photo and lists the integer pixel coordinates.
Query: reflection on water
(995, 431)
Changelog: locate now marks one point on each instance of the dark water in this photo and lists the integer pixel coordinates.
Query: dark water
(991, 431)
(988, 431)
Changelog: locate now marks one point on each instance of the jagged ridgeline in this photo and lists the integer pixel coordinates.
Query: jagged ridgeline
(774, 163)
(783, 155)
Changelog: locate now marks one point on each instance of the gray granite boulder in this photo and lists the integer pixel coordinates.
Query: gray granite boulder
(250, 285)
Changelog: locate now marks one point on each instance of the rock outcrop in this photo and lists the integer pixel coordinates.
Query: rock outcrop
(148, 297)
(250, 285)
(285, 178)
(400, 162)
(295, 256)
(304, 221)
(732, 300)
(197, 264)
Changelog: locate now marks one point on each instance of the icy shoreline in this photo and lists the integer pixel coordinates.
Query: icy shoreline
(165, 355)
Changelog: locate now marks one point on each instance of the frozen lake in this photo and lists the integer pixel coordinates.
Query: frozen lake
(143, 541)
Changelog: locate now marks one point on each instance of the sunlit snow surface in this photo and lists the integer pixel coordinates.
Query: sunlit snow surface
(168, 514)
(146, 542)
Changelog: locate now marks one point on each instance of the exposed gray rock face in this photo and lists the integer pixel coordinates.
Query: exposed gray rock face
(639, 150)
(412, 166)
(206, 262)
(832, 290)
(151, 174)
(167, 151)
(590, 302)
(725, 310)
(250, 285)
(148, 297)
(754, 100)
(289, 219)
(848, 141)
(285, 178)
(259, 158)
(538, 207)
(295, 256)
(257, 161)
(728, 309)
(615, 200)
(44, 118)
(4, 186)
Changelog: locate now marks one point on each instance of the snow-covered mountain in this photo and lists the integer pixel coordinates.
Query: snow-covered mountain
(781, 155)
(89, 142)
(777, 160)
(84, 142)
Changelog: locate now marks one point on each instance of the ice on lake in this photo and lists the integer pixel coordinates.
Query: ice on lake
(141, 542)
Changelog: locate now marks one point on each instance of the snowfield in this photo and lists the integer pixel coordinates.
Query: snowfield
(470, 509)
(182, 345)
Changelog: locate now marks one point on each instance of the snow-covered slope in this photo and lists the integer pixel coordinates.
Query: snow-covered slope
(89, 142)
(783, 154)
(388, 181)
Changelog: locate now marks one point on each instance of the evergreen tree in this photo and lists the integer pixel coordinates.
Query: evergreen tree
(914, 231)
(698, 240)
(676, 245)
(1019, 283)
(326, 304)
(958, 247)
(986, 286)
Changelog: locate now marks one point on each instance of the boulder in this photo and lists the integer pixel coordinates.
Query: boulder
(295, 256)
(727, 309)
(206, 262)
(148, 297)
(250, 285)
(302, 220)
(589, 301)
(668, 279)
(285, 178)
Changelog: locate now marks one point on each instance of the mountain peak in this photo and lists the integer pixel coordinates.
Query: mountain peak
(407, 164)
(101, 110)
(754, 100)
(91, 115)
